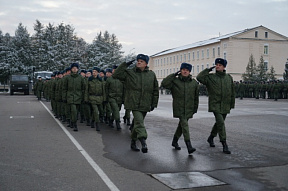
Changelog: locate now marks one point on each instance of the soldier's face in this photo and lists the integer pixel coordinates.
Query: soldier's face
(185, 72)
(102, 74)
(108, 74)
(88, 74)
(219, 67)
(141, 64)
(83, 74)
(74, 70)
(95, 72)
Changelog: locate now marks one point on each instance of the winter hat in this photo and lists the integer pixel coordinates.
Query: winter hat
(103, 71)
(143, 57)
(186, 66)
(89, 71)
(84, 71)
(221, 61)
(109, 70)
(115, 66)
(96, 68)
(67, 69)
(74, 65)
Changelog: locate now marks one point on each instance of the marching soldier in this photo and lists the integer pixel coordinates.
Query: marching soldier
(142, 94)
(82, 106)
(39, 87)
(185, 93)
(67, 112)
(114, 89)
(73, 93)
(241, 89)
(87, 106)
(221, 99)
(95, 95)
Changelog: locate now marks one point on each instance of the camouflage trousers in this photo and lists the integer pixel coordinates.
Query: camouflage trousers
(139, 130)
(96, 109)
(74, 108)
(115, 108)
(183, 128)
(219, 126)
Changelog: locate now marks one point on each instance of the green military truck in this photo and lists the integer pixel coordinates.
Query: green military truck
(19, 83)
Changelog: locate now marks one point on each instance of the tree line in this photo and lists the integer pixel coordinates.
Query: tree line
(54, 47)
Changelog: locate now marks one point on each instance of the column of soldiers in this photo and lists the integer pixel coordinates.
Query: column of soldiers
(96, 96)
(266, 90)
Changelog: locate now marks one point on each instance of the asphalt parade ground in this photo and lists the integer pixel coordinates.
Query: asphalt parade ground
(38, 152)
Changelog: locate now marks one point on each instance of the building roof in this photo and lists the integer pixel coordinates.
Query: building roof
(201, 43)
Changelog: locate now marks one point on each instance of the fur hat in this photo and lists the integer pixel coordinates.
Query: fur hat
(89, 71)
(115, 66)
(67, 69)
(96, 68)
(143, 57)
(221, 61)
(84, 71)
(108, 70)
(186, 66)
(74, 65)
(103, 71)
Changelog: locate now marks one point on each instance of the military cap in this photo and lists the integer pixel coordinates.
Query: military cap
(143, 57)
(108, 70)
(67, 69)
(89, 71)
(115, 66)
(186, 66)
(221, 61)
(102, 70)
(83, 71)
(74, 65)
(96, 68)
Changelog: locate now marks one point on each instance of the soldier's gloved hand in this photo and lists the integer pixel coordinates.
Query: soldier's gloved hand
(177, 73)
(152, 108)
(210, 69)
(130, 62)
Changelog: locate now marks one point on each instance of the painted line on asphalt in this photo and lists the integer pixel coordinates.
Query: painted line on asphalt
(94, 165)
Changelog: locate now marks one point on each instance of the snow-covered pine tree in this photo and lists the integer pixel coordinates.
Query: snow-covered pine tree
(250, 73)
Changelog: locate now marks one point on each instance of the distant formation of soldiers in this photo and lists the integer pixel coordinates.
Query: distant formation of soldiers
(100, 102)
(266, 90)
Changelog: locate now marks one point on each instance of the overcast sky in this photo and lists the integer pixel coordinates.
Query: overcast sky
(148, 26)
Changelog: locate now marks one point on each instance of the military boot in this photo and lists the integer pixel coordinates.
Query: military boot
(92, 124)
(134, 146)
(128, 122)
(225, 147)
(97, 126)
(175, 143)
(211, 141)
(69, 123)
(144, 145)
(88, 122)
(64, 118)
(132, 126)
(189, 147)
(75, 126)
(101, 119)
(124, 119)
(81, 118)
(106, 120)
(111, 123)
(118, 125)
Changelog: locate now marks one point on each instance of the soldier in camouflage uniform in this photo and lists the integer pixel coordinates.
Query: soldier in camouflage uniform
(87, 106)
(263, 88)
(115, 90)
(82, 106)
(241, 89)
(52, 92)
(73, 93)
(108, 112)
(66, 107)
(142, 94)
(95, 95)
(58, 96)
(221, 99)
(185, 93)
(39, 87)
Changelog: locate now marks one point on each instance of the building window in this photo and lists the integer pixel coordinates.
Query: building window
(207, 65)
(202, 54)
(256, 34)
(177, 58)
(218, 50)
(164, 73)
(164, 61)
(213, 52)
(193, 55)
(197, 54)
(174, 59)
(197, 69)
(184, 57)
(193, 68)
(161, 61)
(167, 72)
(180, 58)
(202, 67)
(224, 55)
(161, 73)
(266, 49)
(170, 59)
(266, 34)
(207, 52)
(266, 65)
(189, 56)
(224, 45)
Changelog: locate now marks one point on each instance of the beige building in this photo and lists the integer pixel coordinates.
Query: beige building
(235, 47)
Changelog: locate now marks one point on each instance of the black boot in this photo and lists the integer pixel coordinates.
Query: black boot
(69, 123)
(175, 143)
(128, 122)
(82, 119)
(189, 147)
(64, 118)
(106, 120)
(225, 147)
(97, 126)
(118, 125)
(144, 145)
(132, 126)
(134, 146)
(88, 122)
(210, 141)
(92, 124)
(124, 119)
(111, 123)
(101, 119)
(75, 126)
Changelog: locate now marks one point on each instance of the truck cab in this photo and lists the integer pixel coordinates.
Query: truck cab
(19, 83)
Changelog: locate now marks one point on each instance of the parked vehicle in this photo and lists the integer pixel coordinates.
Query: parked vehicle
(19, 83)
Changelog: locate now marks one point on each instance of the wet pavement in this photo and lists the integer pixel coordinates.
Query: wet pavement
(257, 135)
